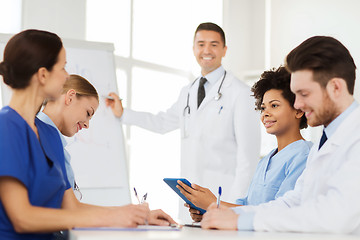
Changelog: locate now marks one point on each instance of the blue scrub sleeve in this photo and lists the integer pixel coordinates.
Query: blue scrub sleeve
(14, 157)
(241, 201)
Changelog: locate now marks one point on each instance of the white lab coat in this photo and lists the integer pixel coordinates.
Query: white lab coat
(326, 197)
(218, 147)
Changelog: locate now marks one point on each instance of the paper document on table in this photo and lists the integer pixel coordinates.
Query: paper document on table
(139, 228)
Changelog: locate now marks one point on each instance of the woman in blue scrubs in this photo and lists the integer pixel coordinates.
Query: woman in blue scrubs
(35, 194)
(278, 171)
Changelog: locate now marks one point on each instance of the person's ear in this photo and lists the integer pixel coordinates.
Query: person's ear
(298, 113)
(70, 96)
(335, 87)
(225, 49)
(42, 74)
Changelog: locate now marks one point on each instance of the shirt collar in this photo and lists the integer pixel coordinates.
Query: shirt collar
(45, 118)
(215, 75)
(331, 128)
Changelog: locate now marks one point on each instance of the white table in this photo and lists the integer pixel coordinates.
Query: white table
(199, 234)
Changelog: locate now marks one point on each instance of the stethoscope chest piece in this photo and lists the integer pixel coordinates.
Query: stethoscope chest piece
(218, 96)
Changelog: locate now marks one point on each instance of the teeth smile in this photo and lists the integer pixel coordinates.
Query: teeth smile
(268, 123)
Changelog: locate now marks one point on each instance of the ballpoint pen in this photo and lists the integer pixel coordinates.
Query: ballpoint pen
(144, 198)
(136, 195)
(218, 199)
(110, 98)
(220, 109)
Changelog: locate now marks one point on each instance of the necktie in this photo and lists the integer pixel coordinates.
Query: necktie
(323, 139)
(201, 91)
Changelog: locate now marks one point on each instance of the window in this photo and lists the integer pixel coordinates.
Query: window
(109, 21)
(10, 13)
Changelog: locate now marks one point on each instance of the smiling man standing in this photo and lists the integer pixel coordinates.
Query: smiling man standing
(326, 196)
(220, 136)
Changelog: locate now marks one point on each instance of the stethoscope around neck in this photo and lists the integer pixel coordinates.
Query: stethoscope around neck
(217, 97)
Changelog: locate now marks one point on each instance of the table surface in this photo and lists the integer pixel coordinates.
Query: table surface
(190, 233)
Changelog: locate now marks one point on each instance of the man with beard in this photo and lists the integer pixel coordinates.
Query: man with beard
(326, 196)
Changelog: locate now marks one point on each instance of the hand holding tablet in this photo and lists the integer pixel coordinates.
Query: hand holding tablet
(172, 182)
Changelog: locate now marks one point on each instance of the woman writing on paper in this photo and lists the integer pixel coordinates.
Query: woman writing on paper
(278, 171)
(35, 193)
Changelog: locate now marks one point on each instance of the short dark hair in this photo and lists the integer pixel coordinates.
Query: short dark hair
(326, 57)
(25, 53)
(209, 26)
(278, 79)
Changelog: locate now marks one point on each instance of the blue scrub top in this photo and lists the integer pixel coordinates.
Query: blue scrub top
(277, 173)
(36, 163)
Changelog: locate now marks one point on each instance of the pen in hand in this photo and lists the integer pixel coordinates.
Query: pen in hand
(110, 97)
(136, 195)
(218, 199)
(144, 198)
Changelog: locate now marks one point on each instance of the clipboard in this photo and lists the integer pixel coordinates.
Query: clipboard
(172, 182)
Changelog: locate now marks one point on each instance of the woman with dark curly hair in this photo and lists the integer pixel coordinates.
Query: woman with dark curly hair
(278, 171)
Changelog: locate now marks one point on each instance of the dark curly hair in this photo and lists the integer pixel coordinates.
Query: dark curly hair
(275, 79)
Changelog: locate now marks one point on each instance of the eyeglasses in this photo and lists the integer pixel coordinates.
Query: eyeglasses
(77, 191)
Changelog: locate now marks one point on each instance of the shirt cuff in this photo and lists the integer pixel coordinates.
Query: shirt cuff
(245, 220)
(123, 116)
(240, 201)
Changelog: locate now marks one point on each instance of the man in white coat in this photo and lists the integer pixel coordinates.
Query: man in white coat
(220, 132)
(326, 196)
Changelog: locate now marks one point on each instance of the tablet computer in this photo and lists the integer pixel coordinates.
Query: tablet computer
(172, 182)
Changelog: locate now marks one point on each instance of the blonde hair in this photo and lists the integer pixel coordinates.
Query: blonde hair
(82, 87)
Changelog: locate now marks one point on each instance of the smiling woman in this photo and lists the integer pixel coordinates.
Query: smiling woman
(71, 112)
(278, 171)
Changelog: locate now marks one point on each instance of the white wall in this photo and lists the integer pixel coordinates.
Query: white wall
(294, 21)
(244, 26)
(64, 17)
(291, 22)
(288, 23)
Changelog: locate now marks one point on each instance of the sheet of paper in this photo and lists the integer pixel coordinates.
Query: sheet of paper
(139, 228)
